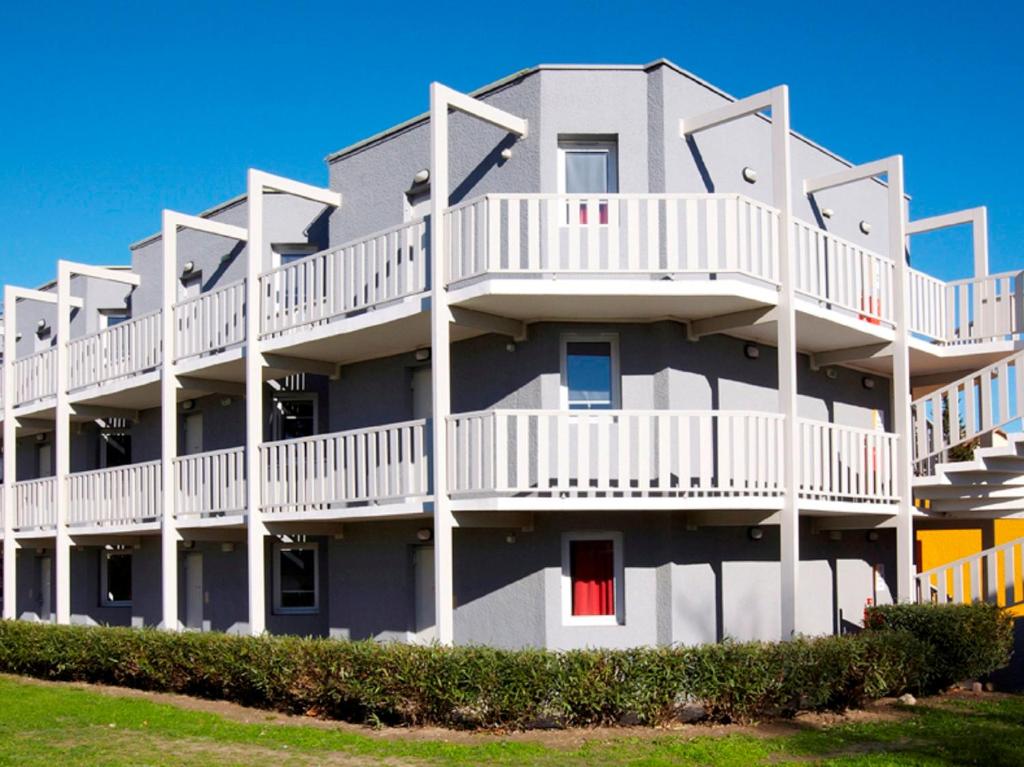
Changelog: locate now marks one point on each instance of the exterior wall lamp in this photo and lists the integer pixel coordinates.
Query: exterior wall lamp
(750, 175)
(867, 382)
(422, 176)
(827, 212)
(424, 534)
(755, 533)
(751, 351)
(865, 227)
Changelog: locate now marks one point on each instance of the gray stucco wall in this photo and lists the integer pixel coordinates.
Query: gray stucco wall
(660, 369)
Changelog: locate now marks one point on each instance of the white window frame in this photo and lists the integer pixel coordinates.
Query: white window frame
(105, 600)
(280, 547)
(275, 421)
(618, 576)
(612, 339)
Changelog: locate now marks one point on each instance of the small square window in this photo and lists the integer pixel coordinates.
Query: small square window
(296, 578)
(589, 374)
(592, 578)
(115, 578)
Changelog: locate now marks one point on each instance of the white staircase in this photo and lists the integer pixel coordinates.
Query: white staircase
(992, 484)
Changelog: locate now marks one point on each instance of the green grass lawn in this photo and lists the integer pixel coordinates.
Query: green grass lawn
(59, 725)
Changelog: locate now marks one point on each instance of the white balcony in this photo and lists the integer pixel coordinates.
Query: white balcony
(35, 505)
(35, 377)
(210, 484)
(122, 496)
(384, 466)
(661, 459)
(119, 352)
(210, 322)
(336, 283)
(669, 459)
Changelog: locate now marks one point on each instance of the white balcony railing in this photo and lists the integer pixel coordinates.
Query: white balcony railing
(843, 275)
(384, 464)
(846, 464)
(211, 484)
(359, 275)
(640, 234)
(35, 504)
(985, 308)
(615, 453)
(120, 351)
(119, 496)
(35, 377)
(210, 322)
(928, 313)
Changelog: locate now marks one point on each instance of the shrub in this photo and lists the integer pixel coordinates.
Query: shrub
(477, 686)
(962, 641)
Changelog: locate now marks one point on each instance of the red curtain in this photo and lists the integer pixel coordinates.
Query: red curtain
(592, 568)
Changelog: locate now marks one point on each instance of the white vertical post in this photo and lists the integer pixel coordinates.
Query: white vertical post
(255, 530)
(444, 521)
(168, 429)
(979, 232)
(789, 525)
(62, 447)
(10, 460)
(901, 383)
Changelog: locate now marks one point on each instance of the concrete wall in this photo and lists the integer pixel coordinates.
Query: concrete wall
(660, 369)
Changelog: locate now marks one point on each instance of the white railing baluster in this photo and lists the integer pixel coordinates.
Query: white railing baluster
(211, 321)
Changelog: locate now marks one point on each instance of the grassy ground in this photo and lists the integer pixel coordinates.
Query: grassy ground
(51, 724)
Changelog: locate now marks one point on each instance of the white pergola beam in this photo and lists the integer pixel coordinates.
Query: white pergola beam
(460, 102)
(184, 221)
(96, 412)
(28, 294)
(848, 175)
(759, 102)
(978, 220)
(121, 276)
(268, 182)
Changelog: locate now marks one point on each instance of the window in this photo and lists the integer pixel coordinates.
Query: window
(293, 415)
(111, 317)
(592, 579)
(296, 578)
(286, 253)
(587, 168)
(590, 372)
(115, 578)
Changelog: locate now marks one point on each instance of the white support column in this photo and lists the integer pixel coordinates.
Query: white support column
(443, 98)
(10, 457)
(901, 393)
(62, 447)
(892, 168)
(168, 428)
(444, 520)
(789, 524)
(777, 100)
(256, 530)
(169, 385)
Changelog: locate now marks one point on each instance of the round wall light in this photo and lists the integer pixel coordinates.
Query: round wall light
(755, 533)
(422, 176)
(865, 227)
(424, 534)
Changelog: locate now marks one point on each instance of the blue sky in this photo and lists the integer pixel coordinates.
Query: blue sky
(112, 111)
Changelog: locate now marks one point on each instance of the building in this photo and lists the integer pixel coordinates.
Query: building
(650, 382)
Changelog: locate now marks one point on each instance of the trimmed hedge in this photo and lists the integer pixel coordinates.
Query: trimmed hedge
(964, 641)
(479, 686)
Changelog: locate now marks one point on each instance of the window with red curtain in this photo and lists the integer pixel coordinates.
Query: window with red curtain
(592, 570)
